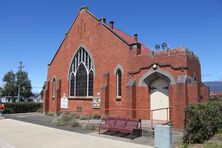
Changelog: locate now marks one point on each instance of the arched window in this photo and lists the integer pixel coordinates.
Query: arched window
(54, 87)
(72, 85)
(81, 74)
(119, 83)
(81, 81)
(91, 83)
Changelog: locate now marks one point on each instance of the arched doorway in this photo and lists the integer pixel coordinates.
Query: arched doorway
(158, 82)
(159, 99)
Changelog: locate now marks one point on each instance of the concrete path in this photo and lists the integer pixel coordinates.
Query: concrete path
(17, 134)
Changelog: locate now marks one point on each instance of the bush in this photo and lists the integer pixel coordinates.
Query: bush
(74, 123)
(90, 126)
(21, 107)
(51, 114)
(212, 145)
(7, 111)
(84, 117)
(63, 119)
(103, 117)
(219, 131)
(96, 116)
(202, 121)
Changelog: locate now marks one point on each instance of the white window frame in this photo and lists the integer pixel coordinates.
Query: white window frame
(81, 60)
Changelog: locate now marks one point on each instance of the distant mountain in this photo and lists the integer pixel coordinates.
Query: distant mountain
(214, 85)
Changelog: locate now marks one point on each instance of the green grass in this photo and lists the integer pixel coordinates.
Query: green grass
(212, 145)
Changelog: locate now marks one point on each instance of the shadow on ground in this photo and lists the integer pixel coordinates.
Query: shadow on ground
(120, 134)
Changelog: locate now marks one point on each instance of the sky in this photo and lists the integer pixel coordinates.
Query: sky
(32, 30)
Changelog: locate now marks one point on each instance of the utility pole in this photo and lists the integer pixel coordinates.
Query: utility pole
(19, 72)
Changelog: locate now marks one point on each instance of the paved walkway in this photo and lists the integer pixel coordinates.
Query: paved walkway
(17, 134)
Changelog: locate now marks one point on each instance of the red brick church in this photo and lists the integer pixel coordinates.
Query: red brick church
(99, 69)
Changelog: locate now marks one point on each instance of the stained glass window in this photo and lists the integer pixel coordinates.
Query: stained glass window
(81, 76)
(90, 83)
(72, 85)
(81, 81)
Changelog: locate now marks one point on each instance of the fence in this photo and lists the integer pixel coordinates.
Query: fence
(146, 114)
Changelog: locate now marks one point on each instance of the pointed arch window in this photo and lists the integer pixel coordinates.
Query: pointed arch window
(81, 75)
(54, 87)
(119, 83)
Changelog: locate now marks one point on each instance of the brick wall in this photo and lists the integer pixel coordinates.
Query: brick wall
(107, 50)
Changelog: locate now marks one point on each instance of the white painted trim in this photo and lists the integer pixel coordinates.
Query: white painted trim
(81, 60)
(89, 55)
(82, 97)
(160, 71)
(118, 66)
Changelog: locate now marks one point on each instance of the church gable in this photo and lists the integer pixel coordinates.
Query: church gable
(79, 33)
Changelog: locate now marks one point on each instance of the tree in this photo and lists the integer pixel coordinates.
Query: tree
(9, 88)
(42, 91)
(0, 91)
(24, 83)
(17, 83)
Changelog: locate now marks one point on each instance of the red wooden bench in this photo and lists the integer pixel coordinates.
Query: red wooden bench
(121, 125)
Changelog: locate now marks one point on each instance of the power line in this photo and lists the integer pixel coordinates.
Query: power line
(21, 66)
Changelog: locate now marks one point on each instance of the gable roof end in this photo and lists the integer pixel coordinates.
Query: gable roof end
(127, 39)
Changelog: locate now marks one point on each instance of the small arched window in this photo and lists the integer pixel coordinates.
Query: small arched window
(54, 87)
(119, 83)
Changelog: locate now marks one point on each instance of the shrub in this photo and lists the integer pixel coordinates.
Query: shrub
(21, 107)
(7, 111)
(74, 123)
(202, 121)
(219, 131)
(212, 145)
(63, 119)
(51, 114)
(103, 117)
(40, 110)
(96, 116)
(84, 117)
(90, 126)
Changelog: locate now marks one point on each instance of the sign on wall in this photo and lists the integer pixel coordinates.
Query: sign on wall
(64, 102)
(96, 103)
